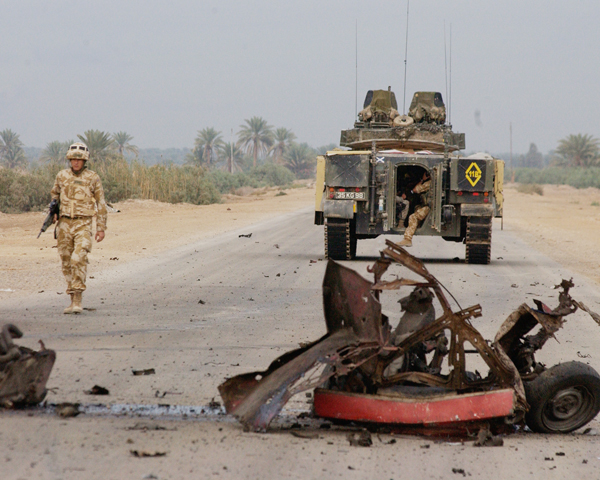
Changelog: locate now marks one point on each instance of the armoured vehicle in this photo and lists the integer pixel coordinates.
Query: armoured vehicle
(359, 191)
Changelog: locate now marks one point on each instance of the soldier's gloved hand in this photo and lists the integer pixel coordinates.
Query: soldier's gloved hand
(99, 236)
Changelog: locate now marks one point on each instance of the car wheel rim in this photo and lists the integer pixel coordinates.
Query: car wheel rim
(568, 409)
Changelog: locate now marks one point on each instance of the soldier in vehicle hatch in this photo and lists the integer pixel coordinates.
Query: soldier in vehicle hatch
(81, 195)
(421, 209)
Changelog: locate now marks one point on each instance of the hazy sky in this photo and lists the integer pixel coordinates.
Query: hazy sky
(163, 70)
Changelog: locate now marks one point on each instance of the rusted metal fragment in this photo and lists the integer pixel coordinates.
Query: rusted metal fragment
(583, 307)
(257, 397)
(349, 302)
(363, 371)
(23, 372)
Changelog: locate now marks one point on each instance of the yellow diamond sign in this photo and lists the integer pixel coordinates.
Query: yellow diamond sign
(473, 174)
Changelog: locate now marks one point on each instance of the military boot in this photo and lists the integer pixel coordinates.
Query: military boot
(407, 242)
(69, 309)
(77, 308)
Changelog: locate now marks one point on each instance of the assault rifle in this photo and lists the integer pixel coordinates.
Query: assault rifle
(53, 209)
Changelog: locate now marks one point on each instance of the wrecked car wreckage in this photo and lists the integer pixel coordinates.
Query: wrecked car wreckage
(416, 376)
(23, 372)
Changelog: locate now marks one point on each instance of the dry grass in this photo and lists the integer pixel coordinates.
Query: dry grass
(530, 188)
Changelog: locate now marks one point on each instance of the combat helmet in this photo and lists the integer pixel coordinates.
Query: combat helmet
(78, 151)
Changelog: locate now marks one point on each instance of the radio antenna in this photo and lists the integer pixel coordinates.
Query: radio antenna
(356, 70)
(405, 57)
(446, 64)
(450, 96)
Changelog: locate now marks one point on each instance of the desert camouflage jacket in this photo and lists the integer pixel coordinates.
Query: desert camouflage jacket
(80, 195)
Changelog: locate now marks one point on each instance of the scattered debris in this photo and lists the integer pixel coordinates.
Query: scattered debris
(583, 355)
(201, 302)
(313, 261)
(514, 285)
(67, 410)
(214, 404)
(304, 434)
(143, 454)
(23, 372)
(248, 235)
(560, 454)
(157, 394)
(114, 258)
(146, 426)
(386, 442)
(459, 471)
(590, 431)
(276, 245)
(148, 371)
(362, 439)
(97, 390)
(486, 439)
(401, 368)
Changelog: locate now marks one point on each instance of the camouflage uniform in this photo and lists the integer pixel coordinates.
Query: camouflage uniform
(420, 213)
(80, 195)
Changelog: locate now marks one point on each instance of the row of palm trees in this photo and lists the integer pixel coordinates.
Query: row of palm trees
(256, 139)
(98, 142)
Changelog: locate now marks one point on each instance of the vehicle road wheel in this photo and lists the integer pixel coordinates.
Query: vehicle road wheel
(340, 239)
(478, 240)
(563, 398)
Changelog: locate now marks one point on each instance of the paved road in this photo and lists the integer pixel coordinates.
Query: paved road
(231, 304)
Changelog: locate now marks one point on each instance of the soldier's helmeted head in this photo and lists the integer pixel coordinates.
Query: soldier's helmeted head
(78, 151)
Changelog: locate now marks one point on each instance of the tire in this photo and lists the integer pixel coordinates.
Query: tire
(563, 398)
(340, 239)
(478, 240)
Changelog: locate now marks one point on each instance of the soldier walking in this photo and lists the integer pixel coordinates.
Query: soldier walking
(81, 195)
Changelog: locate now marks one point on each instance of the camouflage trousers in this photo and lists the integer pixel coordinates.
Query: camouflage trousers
(74, 244)
(413, 221)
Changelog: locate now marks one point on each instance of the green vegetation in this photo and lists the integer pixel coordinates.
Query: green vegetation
(99, 143)
(121, 142)
(206, 146)
(11, 150)
(256, 136)
(578, 177)
(578, 151)
(261, 157)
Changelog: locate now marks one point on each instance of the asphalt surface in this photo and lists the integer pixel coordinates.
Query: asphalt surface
(232, 304)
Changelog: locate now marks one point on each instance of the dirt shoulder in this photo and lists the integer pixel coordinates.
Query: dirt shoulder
(136, 229)
(564, 223)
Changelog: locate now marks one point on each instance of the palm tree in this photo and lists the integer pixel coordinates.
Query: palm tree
(256, 136)
(121, 142)
(206, 145)
(99, 143)
(300, 159)
(55, 152)
(578, 150)
(282, 140)
(233, 156)
(11, 149)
